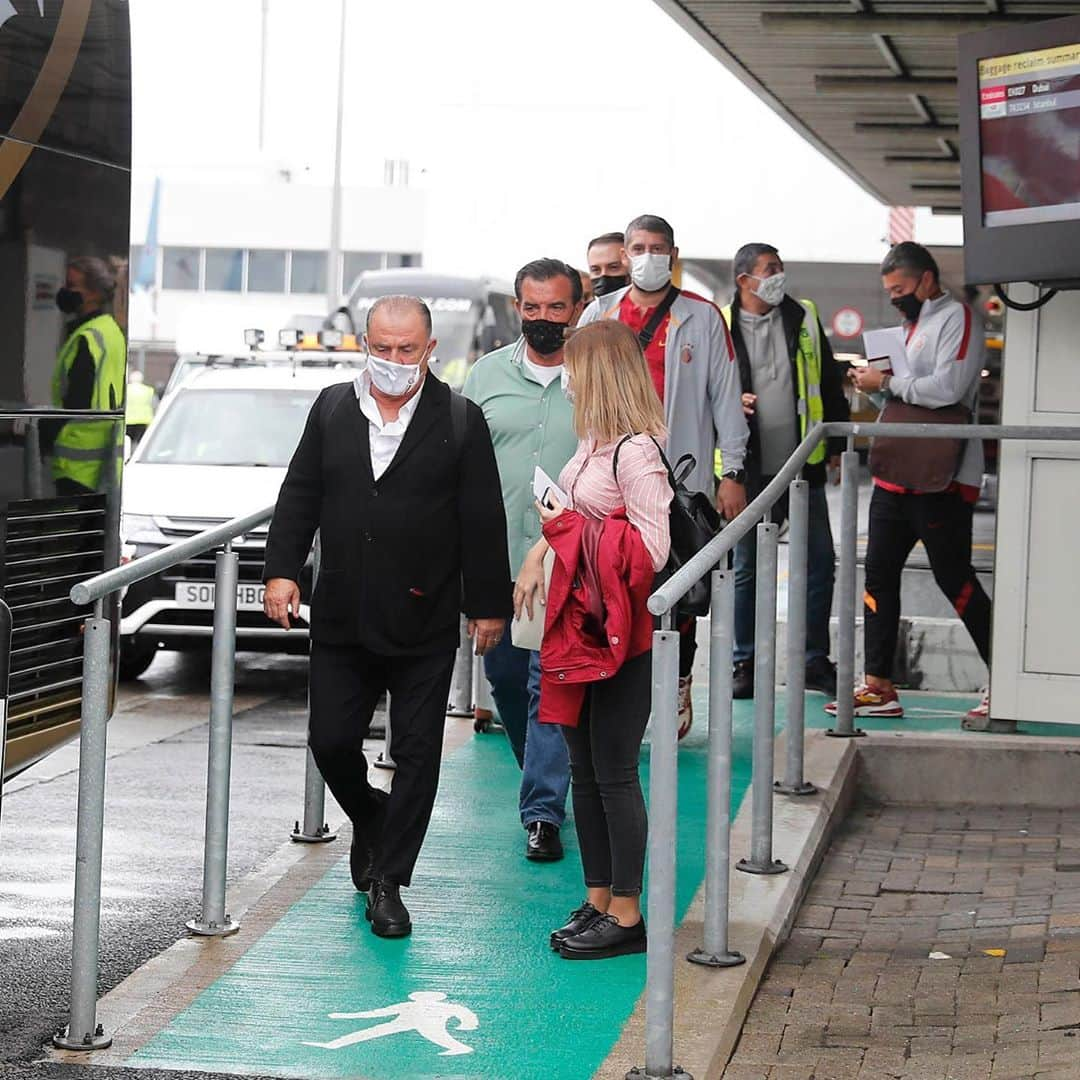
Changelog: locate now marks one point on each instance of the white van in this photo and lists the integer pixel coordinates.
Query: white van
(217, 449)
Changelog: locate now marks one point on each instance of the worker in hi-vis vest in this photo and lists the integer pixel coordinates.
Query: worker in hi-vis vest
(790, 380)
(139, 409)
(89, 377)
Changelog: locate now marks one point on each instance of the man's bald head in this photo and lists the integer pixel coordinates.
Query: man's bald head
(398, 305)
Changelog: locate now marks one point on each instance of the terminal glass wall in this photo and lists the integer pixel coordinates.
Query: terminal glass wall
(65, 156)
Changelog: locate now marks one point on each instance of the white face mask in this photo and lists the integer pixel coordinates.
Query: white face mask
(650, 273)
(771, 289)
(393, 380)
(567, 389)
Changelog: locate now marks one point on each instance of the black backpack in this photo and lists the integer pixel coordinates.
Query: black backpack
(694, 521)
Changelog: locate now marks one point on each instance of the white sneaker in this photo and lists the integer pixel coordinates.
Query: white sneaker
(686, 705)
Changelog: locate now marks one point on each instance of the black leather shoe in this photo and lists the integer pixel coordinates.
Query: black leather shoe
(742, 679)
(388, 916)
(604, 938)
(821, 676)
(542, 843)
(362, 850)
(580, 919)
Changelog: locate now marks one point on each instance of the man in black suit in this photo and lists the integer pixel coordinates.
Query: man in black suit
(399, 476)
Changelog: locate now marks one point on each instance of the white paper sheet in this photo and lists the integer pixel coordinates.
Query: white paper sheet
(543, 484)
(888, 342)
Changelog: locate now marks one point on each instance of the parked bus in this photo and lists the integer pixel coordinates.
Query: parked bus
(65, 157)
(470, 315)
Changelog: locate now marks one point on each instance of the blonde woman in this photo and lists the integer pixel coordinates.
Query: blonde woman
(609, 541)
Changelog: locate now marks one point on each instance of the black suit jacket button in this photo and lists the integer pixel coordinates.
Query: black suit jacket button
(374, 491)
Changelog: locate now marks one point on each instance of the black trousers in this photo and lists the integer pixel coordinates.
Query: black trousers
(609, 809)
(943, 523)
(346, 683)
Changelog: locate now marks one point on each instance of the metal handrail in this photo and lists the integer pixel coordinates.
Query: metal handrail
(82, 1031)
(101, 585)
(679, 584)
(715, 950)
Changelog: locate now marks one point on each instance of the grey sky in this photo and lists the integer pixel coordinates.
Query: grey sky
(532, 126)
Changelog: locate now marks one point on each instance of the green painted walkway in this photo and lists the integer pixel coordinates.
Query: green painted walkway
(482, 915)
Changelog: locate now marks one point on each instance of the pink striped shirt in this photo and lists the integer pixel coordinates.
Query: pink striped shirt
(642, 488)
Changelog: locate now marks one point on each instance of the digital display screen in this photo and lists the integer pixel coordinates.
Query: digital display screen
(1029, 130)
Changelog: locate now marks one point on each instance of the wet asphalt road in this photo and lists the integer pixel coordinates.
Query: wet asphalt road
(152, 867)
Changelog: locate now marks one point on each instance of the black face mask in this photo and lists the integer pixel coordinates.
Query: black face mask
(909, 305)
(544, 336)
(69, 300)
(608, 283)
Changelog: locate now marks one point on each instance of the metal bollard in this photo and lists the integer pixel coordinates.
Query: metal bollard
(83, 1032)
(461, 688)
(384, 760)
(663, 805)
(798, 547)
(714, 951)
(761, 860)
(315, 830)
(845, 643)
(214, 921)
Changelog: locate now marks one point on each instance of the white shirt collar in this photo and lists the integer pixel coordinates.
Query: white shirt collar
(370, 407)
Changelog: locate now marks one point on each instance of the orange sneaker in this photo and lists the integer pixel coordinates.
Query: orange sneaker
(873, 702)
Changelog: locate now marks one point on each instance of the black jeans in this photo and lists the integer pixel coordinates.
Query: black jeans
(943, 523)
(609, 809)
(346, 684)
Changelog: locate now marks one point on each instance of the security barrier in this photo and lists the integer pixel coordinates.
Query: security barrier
(84, 1033)
(714, 558)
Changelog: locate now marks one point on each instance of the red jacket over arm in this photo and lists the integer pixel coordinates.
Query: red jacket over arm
(572, 656)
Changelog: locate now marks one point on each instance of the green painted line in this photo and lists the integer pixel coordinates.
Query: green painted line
(481, 914)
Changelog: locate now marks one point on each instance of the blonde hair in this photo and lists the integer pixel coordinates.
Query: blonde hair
(614, 393)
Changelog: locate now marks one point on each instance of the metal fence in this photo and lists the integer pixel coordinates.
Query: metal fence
(715, 559)
(84, 1033)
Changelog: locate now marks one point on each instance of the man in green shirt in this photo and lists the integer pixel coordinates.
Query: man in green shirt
(520, 391)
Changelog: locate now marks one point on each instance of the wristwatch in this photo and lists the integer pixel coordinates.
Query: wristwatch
(738, 475)
(885, 380)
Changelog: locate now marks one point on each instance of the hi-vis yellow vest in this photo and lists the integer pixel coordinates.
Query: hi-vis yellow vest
(140, 404)
(811, 407)
(83, 446)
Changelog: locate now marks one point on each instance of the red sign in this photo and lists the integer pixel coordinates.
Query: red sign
(847, 322)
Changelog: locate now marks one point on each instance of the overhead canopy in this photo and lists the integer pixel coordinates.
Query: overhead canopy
(871, 83)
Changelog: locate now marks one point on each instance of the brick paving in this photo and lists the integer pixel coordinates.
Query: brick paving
(993, 893)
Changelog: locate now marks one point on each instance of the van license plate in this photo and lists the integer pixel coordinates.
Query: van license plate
(200, 594)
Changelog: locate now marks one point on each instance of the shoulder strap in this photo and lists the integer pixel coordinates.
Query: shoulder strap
(648, 331)
(458, 419)
(672, 478)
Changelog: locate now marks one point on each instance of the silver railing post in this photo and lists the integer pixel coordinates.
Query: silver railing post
(315, 830)
(798, 547)
(846, 577)
(83, 1032)
(714, 951)
(461, 687)
(385, 759)
(761, 860)
(663, 805)
(214, 921)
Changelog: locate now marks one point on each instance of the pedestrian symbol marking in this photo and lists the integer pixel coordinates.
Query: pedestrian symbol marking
(428, 1013)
